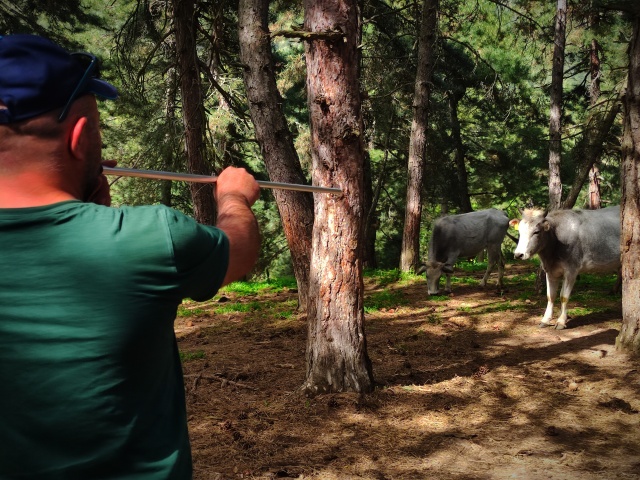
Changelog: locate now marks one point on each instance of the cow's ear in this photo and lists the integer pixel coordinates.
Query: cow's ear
(545, 225)
(446, 268)
(514, 223)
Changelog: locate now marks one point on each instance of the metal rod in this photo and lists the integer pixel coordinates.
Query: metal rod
(192, 177)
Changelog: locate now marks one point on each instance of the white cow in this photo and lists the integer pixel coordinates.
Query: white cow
(569, 242)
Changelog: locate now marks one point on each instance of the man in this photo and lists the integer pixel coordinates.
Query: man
(91, 378)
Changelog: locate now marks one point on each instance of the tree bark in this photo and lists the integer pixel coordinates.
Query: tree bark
(371, 219)
(594, 95)
(459, 152)
(590, 149)
(555, 116)
(410, 253)
(337, 358)
(275, 139)
(170, 139)
(193, 113)
(629, 338)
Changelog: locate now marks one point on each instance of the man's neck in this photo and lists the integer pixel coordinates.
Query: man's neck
(29, 190)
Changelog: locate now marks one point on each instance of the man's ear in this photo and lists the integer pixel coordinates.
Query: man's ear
(78, 133)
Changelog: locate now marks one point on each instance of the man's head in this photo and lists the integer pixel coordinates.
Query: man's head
(50, 142)
(37, 76)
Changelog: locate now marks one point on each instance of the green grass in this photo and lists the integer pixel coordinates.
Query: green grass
(252, 288)
(190, 356)
(582, 311)
(384, 299)
(589, 289)
(503, 307)
(185, 311)
(383, 277)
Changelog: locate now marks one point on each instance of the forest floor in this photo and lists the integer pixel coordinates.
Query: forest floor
(468, 388)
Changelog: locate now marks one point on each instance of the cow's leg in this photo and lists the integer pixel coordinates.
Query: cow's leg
(500, 271)
(617, 288)
(494, 255)
(447, 287)
(552, 292)
(567, 285)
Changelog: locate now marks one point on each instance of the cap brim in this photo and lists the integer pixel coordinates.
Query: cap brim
(103, 89)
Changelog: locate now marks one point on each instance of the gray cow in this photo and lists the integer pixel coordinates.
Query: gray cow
(463, 236)
(569, 242)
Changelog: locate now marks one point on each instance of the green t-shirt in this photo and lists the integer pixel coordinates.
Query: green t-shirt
(90, 374)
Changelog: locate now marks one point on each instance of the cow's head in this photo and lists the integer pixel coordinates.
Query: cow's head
(434, 272)
(532, 229)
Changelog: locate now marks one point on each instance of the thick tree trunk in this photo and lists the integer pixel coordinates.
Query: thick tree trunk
(274, 138)
(410, 254)
(193, 113)
(555, 116)
(337, 358)
(629, 338)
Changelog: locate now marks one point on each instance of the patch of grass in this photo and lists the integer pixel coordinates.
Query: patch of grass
(244, 307)
(465, 281)
(503, 307)
(582, 311)
(527, 277)
(439, 298)
(471, 266)
(190, 356)
(185, 311)
(285, 315)
(383, 277)
(434, 319)
(252, 288)
(384, 299)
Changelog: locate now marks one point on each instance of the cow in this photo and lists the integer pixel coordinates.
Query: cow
(569, 242)
(463, 236)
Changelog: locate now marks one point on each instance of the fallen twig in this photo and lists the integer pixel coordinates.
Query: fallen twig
(198, 376)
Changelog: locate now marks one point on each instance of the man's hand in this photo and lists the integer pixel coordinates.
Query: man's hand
(101, 194)
(237, 182)
(235, 192)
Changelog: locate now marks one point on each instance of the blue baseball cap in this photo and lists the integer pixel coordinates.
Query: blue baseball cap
(38, 76)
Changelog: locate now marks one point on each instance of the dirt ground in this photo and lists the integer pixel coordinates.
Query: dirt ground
(469, 388)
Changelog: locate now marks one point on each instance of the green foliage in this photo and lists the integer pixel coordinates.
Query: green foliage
(384, 299)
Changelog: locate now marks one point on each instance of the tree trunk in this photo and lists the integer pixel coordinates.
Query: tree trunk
(371, 219)
(594, 95)
(629, 338)
(458, 152)
(590, 148)
(337, 358)
(170, 138)
(555, 117)
(410, 254)
(193, 114)
(275, 139)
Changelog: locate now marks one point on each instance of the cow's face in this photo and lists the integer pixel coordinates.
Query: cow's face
(434, 272)
(532, 229)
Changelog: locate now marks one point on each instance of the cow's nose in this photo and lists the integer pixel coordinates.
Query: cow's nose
(518, 255)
